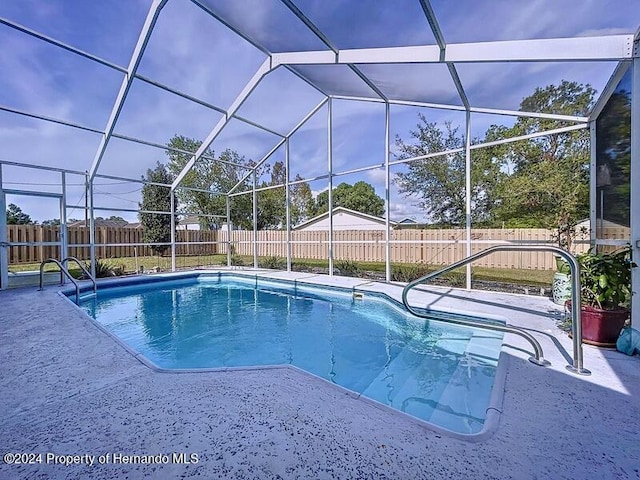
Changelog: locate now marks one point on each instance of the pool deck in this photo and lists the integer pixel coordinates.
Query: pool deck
(70, 389)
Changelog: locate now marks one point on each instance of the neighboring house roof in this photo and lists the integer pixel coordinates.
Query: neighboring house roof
(133, 225)
(354, 213)
(412, 226)
(190, 220)
(407, 220)
(79, 223)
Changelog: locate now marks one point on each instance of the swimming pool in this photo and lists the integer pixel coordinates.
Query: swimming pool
(439, 373)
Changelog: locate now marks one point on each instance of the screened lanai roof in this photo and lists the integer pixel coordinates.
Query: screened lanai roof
(244, 74)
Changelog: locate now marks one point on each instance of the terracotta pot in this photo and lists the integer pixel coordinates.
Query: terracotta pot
(601, 327)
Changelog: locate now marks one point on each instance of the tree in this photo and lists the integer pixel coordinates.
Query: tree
(212, 174)
(54, 222)
(540, 182)
(272, 202)
(15, 216)
(302, 202)
(360, 197)
(116, 220)
(439, 181)
(156, 226)
(549, 185)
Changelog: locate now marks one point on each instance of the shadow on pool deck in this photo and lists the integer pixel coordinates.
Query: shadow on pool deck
(67, 388)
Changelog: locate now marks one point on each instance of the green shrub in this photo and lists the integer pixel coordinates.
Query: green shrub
(455, 279)
(237, 260)
(407, 273)
(273, 262)
(347, 268)
(105, 269)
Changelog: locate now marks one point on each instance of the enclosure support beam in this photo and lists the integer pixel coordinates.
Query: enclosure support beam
(467, 189)
(287, 195)
(635, 190)
(127, 81)
(460, 108)
(172, 196)
(330, 170)
(605, 47)
(596, 48)
(237, 103)
(4, 260)
(387, 193)
(437, 33)
(64, 240)
(92, 226)
(254, 208)
(228, 231)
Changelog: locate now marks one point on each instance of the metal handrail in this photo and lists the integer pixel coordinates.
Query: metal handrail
(84, 270)
(576, 325)
(62, 271)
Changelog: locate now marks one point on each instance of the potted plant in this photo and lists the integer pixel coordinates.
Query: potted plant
(605, 295)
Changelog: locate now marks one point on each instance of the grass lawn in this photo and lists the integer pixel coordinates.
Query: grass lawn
(129, 264)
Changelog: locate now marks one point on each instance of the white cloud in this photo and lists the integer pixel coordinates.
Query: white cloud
(315, 193)
(377, 176)
(399, 211)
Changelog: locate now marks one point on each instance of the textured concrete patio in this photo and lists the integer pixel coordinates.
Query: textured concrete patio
(70, 389)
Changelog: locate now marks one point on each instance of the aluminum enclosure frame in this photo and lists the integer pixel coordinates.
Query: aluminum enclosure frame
(621, 48)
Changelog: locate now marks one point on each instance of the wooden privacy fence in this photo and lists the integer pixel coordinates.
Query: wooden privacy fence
(123, 242)
(437, 247)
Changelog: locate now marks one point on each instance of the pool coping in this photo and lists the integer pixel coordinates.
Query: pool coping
(493, 411)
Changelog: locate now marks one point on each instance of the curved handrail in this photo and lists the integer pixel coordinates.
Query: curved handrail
(576, 326)
(62, 271)
(84, 270)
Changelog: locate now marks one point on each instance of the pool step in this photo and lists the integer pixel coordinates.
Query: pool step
(460, 408)
(424, 387)
(411, 376)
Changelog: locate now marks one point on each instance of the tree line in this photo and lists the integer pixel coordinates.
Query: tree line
(15, 216)
(538, 183)
(212, 177)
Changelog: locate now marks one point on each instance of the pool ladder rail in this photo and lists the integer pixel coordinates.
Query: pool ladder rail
(64, 271)
(538, 357)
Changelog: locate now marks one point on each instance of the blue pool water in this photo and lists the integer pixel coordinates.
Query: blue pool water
(434, 371)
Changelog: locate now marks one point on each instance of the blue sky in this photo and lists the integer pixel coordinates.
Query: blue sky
(193, 53)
